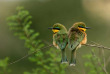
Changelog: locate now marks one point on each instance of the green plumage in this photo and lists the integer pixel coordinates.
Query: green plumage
(61, 40)
(75, 36)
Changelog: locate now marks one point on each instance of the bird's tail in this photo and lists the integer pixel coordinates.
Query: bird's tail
(64, 57)
(73, 58)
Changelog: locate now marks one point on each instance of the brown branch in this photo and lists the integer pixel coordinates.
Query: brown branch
(96, 43)
(99, 62)
(107, 62)
(98, 46)
(91, 45)
(28, 55)
(93, 54)
(102, 47)
(104, 67)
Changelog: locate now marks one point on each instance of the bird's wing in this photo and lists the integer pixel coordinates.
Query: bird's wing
(74, 39)
(61, 40)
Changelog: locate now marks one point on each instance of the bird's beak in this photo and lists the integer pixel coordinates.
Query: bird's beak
(50, 28)
(88, 28)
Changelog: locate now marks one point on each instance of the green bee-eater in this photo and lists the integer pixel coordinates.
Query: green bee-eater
(76, 37)
(60, 39)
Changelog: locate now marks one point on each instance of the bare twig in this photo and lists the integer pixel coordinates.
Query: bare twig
(91, 45)
(96, 43)
(107, 62)
(93, 54)
(46, 42)
(99, 63)
(104, 67)
(28, 55)
(98, 46)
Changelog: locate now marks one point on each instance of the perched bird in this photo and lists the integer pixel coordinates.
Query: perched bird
(76, 37)
(60, 39)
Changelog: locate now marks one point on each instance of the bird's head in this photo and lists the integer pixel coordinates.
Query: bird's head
(81, 26)
(58, 28)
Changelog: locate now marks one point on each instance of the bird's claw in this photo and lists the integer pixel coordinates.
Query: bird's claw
(72, 64)
(64, 61)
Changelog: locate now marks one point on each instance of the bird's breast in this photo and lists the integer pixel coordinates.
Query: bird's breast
(84, 41)
(54, 43)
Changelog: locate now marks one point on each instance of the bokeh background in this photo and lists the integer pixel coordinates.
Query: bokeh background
(45, 13)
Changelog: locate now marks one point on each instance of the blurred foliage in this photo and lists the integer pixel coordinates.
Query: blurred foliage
(20, 24)
(4, 66)
(93, 65)
(47, 61)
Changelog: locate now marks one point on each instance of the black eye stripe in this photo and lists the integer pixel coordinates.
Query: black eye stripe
(81, 26)
(57, 28)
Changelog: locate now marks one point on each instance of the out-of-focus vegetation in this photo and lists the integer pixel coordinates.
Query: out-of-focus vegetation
(4, 66)
(94, 64)
(45, 13)
(46, 61)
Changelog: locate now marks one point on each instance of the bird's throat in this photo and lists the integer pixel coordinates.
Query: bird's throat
(82, 29)
(55, 31)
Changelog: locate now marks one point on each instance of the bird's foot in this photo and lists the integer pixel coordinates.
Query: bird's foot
(64, 61)
(72, 64)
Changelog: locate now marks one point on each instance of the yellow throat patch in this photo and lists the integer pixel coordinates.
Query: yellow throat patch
(82, 29)
(55, 31)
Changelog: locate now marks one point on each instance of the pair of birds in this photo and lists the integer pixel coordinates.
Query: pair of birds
(74, 38)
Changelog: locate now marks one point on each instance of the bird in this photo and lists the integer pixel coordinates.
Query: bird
(60, 39)
(76, 37)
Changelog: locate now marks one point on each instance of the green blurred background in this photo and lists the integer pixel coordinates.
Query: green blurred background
(45, 13)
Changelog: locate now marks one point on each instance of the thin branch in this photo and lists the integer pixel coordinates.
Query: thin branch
(104, 67)
(91, 45)
(46, 42)
(96, 43)
(28, 55)
(99, 63)
(107, 62)
(92, 60)
(102, 47)
(98, 46)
